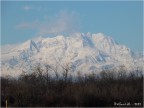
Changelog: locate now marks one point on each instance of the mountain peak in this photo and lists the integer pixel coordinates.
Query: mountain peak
(33, 46)
(99, 35)
(86, 52)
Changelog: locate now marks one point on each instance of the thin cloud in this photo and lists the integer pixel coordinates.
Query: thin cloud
(36, 8)
(27, 8)
(28, 25)
(63, 22)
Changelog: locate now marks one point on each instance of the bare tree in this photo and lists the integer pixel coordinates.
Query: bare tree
(55, 70)
(122, 72)
(66, 69)
(48, 67)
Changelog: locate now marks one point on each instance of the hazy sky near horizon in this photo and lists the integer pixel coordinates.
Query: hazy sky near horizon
(23, 20)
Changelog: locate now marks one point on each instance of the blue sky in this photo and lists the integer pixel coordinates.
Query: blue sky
(24, 20)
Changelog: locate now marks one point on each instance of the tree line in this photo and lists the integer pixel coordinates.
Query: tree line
(40, 89)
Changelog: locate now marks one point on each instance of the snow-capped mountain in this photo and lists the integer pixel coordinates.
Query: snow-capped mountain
(82, 52)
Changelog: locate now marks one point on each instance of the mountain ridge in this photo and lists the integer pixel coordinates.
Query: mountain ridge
(86, 52)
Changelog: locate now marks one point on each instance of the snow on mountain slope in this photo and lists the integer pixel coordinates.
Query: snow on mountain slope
(84, 52)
